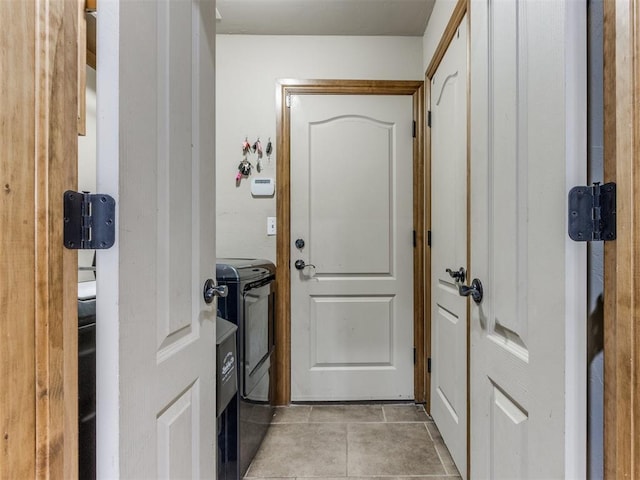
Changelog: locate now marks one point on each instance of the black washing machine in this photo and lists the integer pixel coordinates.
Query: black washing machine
(250, 304)
(87, 380)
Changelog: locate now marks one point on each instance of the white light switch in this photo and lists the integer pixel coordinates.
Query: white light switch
(271, 225)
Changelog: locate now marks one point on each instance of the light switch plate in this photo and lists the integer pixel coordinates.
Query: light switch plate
(271, 225)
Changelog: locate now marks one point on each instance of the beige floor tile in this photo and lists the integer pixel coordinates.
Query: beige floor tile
(392, 449)
(445, 456)
(443, 451)
(428, 477)
(268, 478)
(433, 431)
(418, 477)
(292, 414)
(304, 450)
(449, 464)
(405, 413)
(346, 413)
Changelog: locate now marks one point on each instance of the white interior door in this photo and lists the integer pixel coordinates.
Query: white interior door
(449, 247)
(352, 204)
(528, 147)
(155, 334)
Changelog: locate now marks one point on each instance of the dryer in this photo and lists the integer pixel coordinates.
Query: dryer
(250, 304)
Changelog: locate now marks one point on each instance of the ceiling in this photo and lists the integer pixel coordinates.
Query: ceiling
(324, 17)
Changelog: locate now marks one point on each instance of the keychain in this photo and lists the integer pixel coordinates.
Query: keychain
(257, 148)
(246, 147)
(244, 167)
(244, 170)
(269, 150)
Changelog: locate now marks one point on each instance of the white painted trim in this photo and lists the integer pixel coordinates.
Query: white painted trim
(576, 253)
(107, 310)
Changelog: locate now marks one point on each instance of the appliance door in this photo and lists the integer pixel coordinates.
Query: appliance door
(257, 338)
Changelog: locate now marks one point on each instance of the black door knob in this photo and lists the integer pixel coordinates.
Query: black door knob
(299, 243)
(474, 291)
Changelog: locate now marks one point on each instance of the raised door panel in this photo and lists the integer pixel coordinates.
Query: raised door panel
(350, 227)
(351, 331)
(177, 168)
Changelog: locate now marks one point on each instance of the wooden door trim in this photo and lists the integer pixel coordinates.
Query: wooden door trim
(459, 11)
(622, 257)
(38, 411)
(56, 347)
(284, 89)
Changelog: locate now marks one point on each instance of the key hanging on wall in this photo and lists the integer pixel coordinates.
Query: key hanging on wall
(269, 150)
(244, 167)
(257, 148)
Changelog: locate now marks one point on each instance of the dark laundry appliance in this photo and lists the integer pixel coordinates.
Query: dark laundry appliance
(87, 380)
(250, 304)
(227, 400)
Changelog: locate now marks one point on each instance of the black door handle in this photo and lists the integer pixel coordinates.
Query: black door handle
(474, 291)
(459, 275)
(300, 265)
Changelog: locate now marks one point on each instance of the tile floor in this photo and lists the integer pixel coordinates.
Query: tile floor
(330, 442)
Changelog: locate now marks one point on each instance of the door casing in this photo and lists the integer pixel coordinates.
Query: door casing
(38, 162)
(284, 89)
(622, 256)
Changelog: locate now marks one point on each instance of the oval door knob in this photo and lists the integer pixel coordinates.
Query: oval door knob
(211, 290)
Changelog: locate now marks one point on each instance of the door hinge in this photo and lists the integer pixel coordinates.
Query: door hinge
(592, 213)
(89, 220)
(414, 355)
(429, 118)
(429, 365)
(414, 129)
(287, 100)
(429, 238)
(415, 239)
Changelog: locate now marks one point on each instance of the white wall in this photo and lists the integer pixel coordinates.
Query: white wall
(248, 67)
(438, 20)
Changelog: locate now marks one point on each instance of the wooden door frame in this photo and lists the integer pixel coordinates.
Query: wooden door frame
(455, 20)
(38, 141)
(622, 256)
(284, 89)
